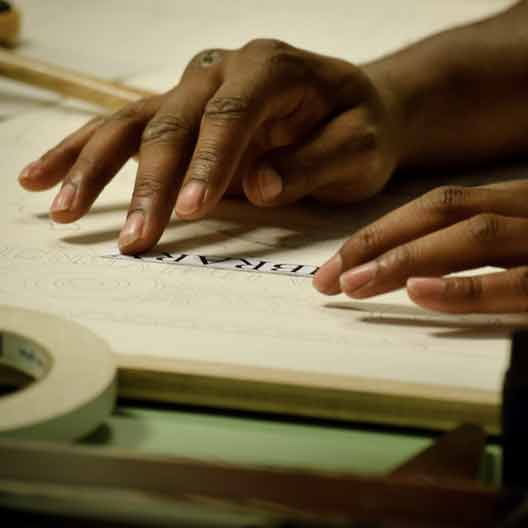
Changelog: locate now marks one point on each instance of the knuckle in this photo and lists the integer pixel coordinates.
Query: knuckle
(444, 199)
(204, 161)
(89, 165)
(288, 64)
(96, 122)
(147, 186)
(166, 129)
(400, 258)
(277, 57)
(68, 148)
(64, 149)
(468, 288)
(130, 112)
(266, 45)
(368, 239)
(227, 108)
(124, 114)
(484, 228)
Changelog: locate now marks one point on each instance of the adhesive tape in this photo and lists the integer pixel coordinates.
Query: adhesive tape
(75, 377)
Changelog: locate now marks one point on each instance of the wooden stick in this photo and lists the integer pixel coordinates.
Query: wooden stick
(9, 26)
(66, 82)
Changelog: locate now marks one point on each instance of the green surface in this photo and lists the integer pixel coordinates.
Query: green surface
(263, 441)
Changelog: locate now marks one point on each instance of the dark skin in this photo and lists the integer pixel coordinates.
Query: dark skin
(277, 123)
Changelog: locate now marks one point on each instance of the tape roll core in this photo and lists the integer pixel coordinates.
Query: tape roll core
(75, 377)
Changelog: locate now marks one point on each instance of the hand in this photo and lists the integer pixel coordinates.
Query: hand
(274, 121)
(448, 229)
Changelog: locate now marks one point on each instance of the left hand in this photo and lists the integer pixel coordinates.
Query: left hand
(271, 120)
(446, 230)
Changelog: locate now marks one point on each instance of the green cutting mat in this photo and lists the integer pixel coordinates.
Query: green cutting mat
(248, 439)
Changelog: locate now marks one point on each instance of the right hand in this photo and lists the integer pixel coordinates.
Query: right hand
(269, 120)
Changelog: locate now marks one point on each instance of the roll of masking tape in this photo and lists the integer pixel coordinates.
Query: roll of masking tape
(75, 377)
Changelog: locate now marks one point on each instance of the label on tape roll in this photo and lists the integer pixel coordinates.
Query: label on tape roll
(21, 354)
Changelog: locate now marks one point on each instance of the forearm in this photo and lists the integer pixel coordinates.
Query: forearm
(461, 95)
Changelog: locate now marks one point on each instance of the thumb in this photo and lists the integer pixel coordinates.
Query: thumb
(341, 162)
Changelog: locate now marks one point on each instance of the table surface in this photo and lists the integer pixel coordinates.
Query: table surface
(80, 37)
(120, 39)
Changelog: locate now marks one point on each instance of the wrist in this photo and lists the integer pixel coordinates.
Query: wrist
(392, 99)
(419, 95)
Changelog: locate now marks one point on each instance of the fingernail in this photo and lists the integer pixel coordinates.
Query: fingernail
(31, 171)
(132, 229)
(191, 197)
(430, 287)
(64, 200)
(326, 279)
(270, 183)
(355, 278)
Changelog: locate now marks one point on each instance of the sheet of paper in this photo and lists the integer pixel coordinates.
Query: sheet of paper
(233, 263)
(221, 315)
(187, 314)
